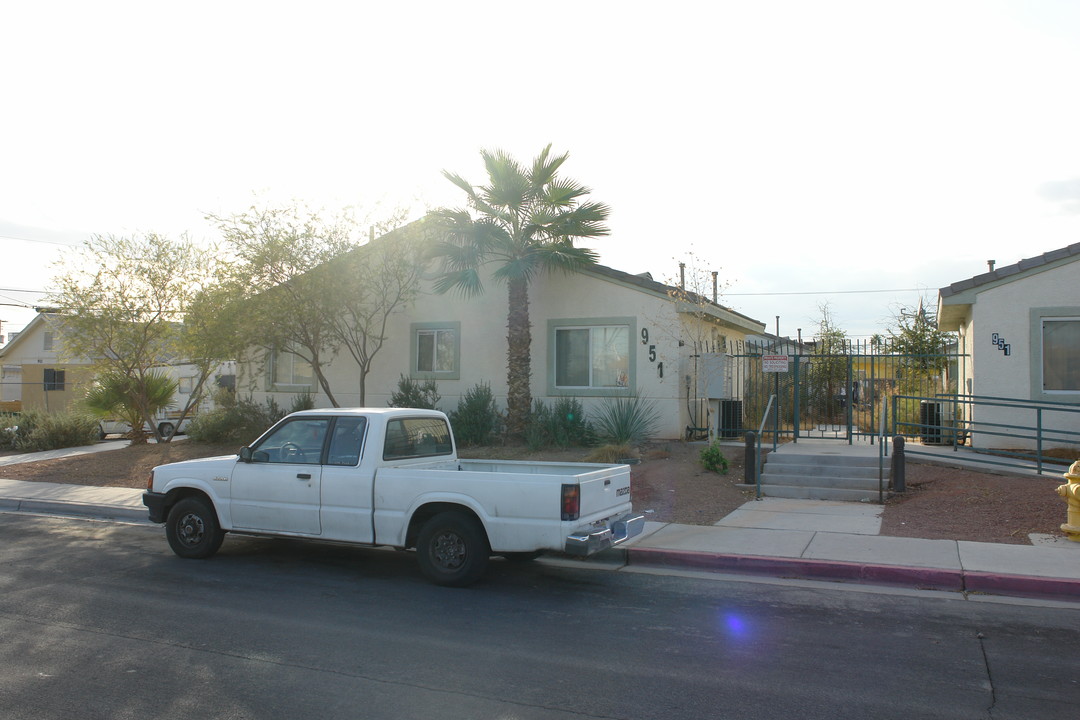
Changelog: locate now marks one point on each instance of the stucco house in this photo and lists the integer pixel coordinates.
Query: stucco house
(34, 373)
(1019, 337)
(598, 333)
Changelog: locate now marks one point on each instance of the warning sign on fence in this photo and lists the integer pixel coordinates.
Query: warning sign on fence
(774, 363)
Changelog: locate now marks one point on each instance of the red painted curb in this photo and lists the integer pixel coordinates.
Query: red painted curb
(922, 578)
(1025, 585)
(869, 573)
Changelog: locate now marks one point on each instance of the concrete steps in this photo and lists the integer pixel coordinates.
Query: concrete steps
(823, 472)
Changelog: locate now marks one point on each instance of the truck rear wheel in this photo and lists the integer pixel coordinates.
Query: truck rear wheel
(193, 530)
(452, 549)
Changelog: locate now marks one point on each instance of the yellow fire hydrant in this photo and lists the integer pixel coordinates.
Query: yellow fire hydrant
(1071, 492)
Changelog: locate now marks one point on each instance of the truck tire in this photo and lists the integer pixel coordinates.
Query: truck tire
(166, 429)
(452, 549)
(192, 529)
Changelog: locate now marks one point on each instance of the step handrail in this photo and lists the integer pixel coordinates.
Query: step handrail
(757, 455)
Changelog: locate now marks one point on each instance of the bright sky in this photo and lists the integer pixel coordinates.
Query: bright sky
(795, 147)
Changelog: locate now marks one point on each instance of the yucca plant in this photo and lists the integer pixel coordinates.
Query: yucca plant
(627, 420)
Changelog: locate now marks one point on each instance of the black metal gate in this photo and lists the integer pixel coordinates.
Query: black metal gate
(835, 395)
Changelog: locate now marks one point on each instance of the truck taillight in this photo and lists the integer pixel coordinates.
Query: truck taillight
(571, 502)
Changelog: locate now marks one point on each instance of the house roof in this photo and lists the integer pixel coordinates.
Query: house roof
(26, 332)
(645, 282)
(955, 301)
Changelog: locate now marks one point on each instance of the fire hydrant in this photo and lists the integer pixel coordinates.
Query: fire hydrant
(1071, 492)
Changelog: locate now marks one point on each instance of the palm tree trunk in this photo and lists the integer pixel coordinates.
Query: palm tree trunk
(518, 358)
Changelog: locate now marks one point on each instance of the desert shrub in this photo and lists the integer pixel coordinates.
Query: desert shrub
(303, 401)
(609, 453)
(413, 394)
(713, 460)
(563, 424)
(240, 422)
(36, 431)
(476, 419)
(627, 420)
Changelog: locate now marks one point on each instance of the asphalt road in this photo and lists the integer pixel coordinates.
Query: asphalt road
(100, 620)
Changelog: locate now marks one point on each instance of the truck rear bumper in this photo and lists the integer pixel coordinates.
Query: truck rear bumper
(583, 544)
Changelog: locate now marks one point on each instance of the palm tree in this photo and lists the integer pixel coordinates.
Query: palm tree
(132, 400)
(526, 221)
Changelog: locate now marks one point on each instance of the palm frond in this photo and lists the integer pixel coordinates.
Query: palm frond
(465, 282)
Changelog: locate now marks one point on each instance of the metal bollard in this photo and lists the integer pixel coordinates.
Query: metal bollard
(750, 458)
(896, 470)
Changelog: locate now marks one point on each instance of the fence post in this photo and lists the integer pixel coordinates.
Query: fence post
(899, 483)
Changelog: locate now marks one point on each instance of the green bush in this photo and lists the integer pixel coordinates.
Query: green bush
(561, 425)
(476, 419)
(414, 394)
(713, 460)
(627, 420)
(35, 431)
(303, 401)
(240, 422)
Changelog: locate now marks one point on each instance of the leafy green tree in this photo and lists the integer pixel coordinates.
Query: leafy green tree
(131, 399)
(828, 365)
(304, 284)
(915, 337)
(523, 223)
(281, 304)
(122, 303)
(382, 278)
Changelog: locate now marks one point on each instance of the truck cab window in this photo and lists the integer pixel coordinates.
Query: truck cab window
(298, 442)
(346, 441)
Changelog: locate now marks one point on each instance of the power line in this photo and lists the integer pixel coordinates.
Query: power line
(47, 242)
(824, 292)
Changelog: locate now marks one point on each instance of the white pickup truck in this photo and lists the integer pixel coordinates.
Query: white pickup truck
(385, 476)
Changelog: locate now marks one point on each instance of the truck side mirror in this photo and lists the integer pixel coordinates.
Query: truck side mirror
(245, 454)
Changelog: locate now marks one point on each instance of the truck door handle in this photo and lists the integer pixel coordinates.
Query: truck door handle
(304, 476)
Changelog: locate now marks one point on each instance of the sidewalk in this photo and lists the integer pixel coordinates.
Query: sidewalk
(822, 540)
(808, 539)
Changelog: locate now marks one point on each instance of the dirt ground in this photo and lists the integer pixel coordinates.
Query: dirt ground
(670, 485)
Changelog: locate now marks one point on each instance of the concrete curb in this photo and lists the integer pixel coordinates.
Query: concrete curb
(868, 573)
(78, 509)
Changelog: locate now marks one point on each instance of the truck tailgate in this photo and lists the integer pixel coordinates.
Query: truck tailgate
(604, 492)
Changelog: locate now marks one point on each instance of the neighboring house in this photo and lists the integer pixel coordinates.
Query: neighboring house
(34, 373)
(1019, 328)
(596, 334)
(35, 377)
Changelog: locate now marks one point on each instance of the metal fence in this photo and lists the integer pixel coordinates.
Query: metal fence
(836, 394)
(1002, 430)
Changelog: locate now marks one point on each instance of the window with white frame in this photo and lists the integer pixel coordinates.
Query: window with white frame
(592, 356)
(1060, 360)
(291, 370)
(47, 340)
(436, 350)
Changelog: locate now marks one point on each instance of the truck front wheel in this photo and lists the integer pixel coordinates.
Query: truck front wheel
(452, 549)
(192, 529)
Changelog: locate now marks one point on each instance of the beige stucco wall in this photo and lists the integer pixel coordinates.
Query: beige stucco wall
(554, 300)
